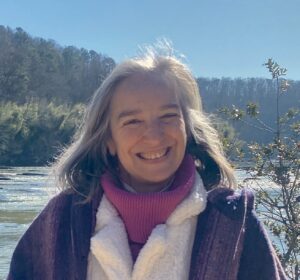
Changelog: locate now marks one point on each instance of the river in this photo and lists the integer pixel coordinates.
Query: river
(24, 191)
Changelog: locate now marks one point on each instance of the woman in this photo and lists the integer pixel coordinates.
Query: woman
(145, 194)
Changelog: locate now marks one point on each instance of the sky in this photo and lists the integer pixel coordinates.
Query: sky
(219, 38)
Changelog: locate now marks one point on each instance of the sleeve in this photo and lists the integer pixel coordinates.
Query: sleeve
(34, 254)
(259, 260)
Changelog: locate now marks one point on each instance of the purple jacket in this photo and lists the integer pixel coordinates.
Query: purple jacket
(230, 242)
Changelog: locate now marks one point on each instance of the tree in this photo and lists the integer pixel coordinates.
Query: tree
(278, 163)
(32, 134)
(35, 69)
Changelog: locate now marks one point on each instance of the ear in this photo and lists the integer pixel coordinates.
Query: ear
(111, 147)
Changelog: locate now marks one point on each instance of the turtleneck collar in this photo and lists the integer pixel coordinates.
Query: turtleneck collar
(141, 212)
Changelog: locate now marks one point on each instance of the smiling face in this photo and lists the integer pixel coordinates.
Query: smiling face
(147, 132)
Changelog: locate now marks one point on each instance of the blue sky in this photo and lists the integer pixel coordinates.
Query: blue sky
(224, 38)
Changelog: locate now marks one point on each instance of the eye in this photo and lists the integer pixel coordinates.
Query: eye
(169, 116)
(132, 122)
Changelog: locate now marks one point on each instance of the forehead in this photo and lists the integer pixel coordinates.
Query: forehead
(139, 81)
(143, 90)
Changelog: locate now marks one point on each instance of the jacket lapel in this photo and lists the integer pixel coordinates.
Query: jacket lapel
(110, 245)
(219, 237)
(83, 220)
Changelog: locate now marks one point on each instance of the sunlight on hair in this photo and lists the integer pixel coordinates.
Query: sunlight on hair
(162, 47)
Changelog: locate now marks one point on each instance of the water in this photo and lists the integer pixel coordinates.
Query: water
(23, 193)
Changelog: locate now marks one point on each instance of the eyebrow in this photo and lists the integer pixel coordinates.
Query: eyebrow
(128, 113)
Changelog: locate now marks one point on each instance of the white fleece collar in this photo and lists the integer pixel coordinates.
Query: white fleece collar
(194, 204)
(166, 254)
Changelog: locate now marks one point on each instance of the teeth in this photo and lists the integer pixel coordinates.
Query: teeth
(153, 155)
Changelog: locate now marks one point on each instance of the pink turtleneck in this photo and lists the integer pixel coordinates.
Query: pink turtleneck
(141, 212)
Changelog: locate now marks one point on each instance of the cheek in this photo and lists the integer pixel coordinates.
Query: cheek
(124, 142)
(178, 133)
(180, 129)
(183, 135)
(130, 136)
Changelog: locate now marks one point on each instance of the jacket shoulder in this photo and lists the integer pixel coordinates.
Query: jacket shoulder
(232, 203)
(56, 210)
(60, 201)
(35, 249)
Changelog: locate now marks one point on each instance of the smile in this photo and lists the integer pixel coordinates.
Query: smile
(154, 155)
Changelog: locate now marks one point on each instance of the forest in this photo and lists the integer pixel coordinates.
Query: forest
(44, 88)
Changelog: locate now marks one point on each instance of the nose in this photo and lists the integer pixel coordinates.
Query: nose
(154, 133)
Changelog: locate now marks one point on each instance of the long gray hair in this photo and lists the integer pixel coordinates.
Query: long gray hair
(80, 166)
